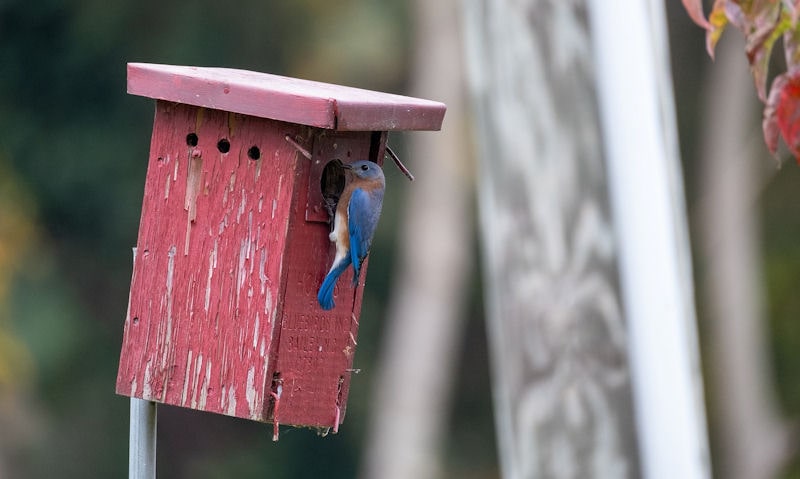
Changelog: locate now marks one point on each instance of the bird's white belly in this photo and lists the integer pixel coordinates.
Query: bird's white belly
(338, 236)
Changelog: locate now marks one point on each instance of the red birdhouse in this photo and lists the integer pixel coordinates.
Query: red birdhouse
(233, 242)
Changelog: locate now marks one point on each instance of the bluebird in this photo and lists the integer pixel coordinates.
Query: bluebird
(354, 223)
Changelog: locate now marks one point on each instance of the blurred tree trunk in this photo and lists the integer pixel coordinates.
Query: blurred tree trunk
(557, 334)
(753, 441)
(415, 373)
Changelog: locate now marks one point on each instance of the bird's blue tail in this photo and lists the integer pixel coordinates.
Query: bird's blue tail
(325, 295)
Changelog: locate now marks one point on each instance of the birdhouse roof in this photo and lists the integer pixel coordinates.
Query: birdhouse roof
(292, 100)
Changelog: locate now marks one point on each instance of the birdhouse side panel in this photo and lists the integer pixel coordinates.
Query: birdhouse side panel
(207, 275)
(317, 347)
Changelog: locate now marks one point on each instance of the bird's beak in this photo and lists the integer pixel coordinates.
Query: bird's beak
(347, 166)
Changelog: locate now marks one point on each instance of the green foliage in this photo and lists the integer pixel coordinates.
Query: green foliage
(72, 163)
(782, 270)
(17, 237)
(73, 153)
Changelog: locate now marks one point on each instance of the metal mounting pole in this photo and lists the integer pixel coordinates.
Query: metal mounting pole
(142, 448)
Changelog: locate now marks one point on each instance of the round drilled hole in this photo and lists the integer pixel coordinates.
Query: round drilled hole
(254, 153)
(191, 139)
(224, 145)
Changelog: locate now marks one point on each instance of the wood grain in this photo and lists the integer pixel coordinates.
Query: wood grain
(556, 328)
(223, 293)
(286, 99)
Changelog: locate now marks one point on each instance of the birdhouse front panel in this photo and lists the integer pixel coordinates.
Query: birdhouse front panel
(316, 348)
(209, 261)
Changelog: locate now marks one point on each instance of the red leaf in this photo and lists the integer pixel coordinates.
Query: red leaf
(735, 14)
(717, 21)
(695, 10)
(782, 113)
(791, 47)
(759, 63)
(770, 123)
(761, 32)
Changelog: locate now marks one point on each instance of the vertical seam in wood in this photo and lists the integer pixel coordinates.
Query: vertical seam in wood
(284, 272)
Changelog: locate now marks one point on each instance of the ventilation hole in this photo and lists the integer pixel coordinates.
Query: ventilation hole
(191, 139)
(254, 153)
(136, 320)
(224, 145)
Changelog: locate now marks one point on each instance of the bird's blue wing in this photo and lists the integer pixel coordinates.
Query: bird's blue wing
(363, 212)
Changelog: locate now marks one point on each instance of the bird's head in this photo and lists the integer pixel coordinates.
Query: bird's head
(366, 170)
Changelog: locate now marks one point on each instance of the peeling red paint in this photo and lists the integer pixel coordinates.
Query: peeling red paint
(224, 244)
(233, 242)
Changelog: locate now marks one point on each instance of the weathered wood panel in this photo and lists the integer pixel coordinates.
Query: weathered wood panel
(315, 355)
(223, 305)
(206, 277)
(292, 100)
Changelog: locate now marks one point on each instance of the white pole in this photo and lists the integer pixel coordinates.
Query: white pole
(637, 112)
(142, 453)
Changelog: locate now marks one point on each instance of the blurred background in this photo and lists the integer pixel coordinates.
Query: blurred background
(73, 151)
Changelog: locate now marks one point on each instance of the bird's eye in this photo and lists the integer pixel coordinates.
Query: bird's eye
(364, 167)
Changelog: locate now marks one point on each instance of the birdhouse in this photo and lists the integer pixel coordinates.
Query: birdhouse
(244, 169)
